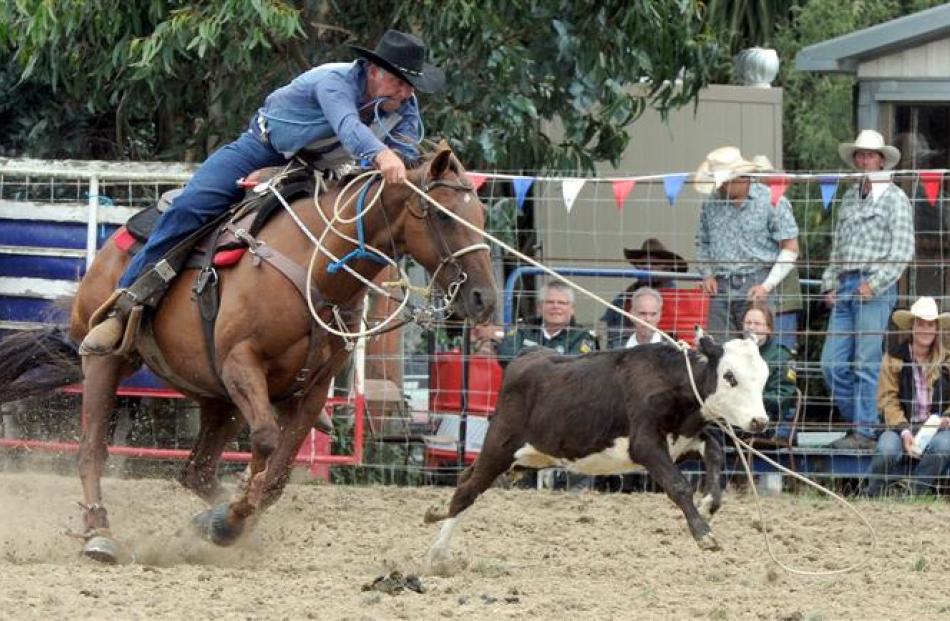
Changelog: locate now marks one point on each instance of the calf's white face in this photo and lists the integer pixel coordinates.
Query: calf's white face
(740, 382)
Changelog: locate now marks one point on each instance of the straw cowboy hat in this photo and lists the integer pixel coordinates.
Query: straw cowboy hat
(654, 256)
(924, 308)
(869, 140)
(725, 164)
(404, 55)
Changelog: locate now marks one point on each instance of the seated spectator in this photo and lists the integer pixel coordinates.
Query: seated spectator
(646, 304)
(556, 328)
(652, 256)
(914, 384)
(484, 338)
(779, 392)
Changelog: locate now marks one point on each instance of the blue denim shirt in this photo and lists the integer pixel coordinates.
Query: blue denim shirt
(326, 101)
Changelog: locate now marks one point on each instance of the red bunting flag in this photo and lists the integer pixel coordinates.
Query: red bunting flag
(931, 180)
(478, 180)
(622, 189)
(777, 186)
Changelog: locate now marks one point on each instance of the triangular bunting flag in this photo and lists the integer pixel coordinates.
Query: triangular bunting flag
(477, 179)
(673, 185)
(931, 180)
(777, 186)
(829, 188)
(522, 185)
(622, 189)
(571, 188)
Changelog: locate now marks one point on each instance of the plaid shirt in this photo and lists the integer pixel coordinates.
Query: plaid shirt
(742, 239)
(872, 236)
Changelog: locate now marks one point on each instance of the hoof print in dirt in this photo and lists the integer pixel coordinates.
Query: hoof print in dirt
(394, 583)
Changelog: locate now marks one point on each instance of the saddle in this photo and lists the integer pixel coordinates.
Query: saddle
(222, 244)
(250, 215)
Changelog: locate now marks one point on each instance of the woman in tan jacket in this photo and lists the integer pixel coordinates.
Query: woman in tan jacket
(913, 385)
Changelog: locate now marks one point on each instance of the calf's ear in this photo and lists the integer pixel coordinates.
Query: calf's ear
(710, 348)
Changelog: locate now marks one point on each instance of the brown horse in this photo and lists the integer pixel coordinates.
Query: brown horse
(266, 341)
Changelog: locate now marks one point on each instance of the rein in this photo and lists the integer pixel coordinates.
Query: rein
(425, 316)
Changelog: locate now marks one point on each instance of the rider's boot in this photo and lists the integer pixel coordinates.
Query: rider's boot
(105, 336)
(108, 323)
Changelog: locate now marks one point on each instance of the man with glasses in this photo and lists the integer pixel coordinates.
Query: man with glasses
(557, 329)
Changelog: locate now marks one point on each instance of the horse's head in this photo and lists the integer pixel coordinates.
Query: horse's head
(455, 254)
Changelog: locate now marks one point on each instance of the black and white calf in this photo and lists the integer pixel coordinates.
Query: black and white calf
(605, 412)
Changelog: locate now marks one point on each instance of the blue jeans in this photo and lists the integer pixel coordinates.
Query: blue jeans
(851, 357)
(891, 463)
(783, 426)
(786, 329)
(727, 308)
(212, 189)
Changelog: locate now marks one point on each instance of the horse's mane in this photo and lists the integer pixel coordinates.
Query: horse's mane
(431, 149)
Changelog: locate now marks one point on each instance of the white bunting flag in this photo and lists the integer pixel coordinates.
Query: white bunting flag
(571, 188)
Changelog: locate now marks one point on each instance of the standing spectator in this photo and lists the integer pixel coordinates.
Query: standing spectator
(787, 297)
(652, 256)
(745, 247)
(872, 245)
(779, 392)
(647, 305)
(914, 384)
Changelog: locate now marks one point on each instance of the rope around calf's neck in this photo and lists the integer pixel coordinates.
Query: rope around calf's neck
(684, 348)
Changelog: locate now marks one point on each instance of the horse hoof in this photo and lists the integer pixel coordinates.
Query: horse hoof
(708, 542)
(102, 549)
(212, 525)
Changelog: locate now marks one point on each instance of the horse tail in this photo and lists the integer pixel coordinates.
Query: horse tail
(37, 361)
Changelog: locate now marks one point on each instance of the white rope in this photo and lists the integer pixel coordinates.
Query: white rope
(740, 444)
(683, 347)
(330, 225)
(339, 206)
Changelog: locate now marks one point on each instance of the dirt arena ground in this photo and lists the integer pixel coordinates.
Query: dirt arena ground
(519, 554)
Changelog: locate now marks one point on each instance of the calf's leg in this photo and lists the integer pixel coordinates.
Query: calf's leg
(496, 458)
(712, 482)
(653, 454)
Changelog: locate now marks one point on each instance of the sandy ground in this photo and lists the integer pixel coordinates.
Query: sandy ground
(518, 554)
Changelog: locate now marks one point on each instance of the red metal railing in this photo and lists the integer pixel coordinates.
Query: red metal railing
(314, 453)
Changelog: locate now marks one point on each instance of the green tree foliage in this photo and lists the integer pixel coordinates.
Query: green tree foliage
(170, 79)
(140, 79)
(747, 23)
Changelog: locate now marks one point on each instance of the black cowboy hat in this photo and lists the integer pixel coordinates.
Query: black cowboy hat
(654, 256)
(404, 55)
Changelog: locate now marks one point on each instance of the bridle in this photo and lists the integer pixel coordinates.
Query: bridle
(447, 257)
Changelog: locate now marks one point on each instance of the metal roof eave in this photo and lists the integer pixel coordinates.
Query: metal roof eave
(842, 54)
